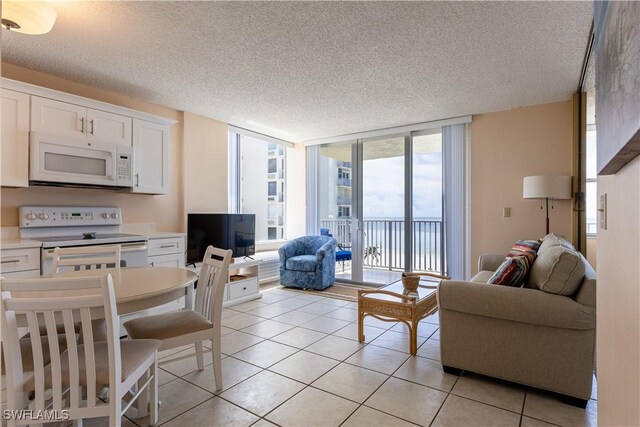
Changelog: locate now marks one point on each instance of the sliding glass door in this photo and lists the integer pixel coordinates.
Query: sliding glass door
(382, 200)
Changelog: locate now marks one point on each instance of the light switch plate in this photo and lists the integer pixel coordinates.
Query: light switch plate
(602, 209)
(506, 212)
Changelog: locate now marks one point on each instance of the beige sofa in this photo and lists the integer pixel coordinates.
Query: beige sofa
(525, 335)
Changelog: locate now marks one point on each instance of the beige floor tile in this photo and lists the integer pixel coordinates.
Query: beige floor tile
(549, 408)
(343, 314)
(165, 354)
(378, 358)
(458, 411)
(532, 422)
(184, 366)
(335, 302)
(228, 313)
(270, 297)
(317, 308)
(432, 318)
(164, 377)
(367, 417)
(249, 305)
(335, 347)
(372, 321)
(430, 349)
(265, 354)
(425, 329)
(351, 382)
(299, 337)
(269, 311)
(309, 296)
(304, 367)
(238, 341)
(396, 341)
(99, 422)
(292, 303)
(267, 329)
(436, 335)
(263, 392)
(488, 390)
(325, 324)
(426, 372)
(351, 332)
(177, 397)
(240, 321)
(264, 423)
(312, 407)
(233, 372)
(412, 402)
(214, 412)
(295, 317)
(225, 331)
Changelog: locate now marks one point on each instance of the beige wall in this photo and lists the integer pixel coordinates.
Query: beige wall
(618, 308)
(505, 147)
(206, 167)
(165, 210)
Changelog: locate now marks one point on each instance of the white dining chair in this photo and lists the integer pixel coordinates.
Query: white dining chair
(180, 328)
(86, 258)
(73, 377)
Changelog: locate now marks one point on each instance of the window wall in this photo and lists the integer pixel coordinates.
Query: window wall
(259, 169)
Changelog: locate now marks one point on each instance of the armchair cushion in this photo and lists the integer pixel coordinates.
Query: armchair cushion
(301, 263)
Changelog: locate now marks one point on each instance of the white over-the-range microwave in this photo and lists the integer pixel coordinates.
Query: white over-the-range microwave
(68, 161)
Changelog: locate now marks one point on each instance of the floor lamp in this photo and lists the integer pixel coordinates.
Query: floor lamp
(546, 187)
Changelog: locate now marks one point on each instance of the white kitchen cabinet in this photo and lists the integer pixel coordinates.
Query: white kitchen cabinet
(150, 157)
(166, 251)
(18, 263)
(65, 119)
(15, 139)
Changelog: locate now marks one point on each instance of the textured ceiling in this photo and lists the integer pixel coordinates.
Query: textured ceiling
(305, 70)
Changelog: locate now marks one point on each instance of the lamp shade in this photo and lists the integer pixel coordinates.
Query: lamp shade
(28, 17)
(546, 186)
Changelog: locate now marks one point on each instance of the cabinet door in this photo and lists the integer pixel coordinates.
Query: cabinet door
(108, 127)
(150, 157)
(15, 139)
(173, 260)
(58, 117)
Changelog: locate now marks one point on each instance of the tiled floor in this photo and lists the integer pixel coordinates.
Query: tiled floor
(294, 360)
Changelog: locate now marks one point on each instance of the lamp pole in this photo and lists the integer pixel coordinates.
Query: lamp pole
(547, 206)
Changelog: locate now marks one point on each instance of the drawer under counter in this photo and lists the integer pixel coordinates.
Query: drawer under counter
(19, 260)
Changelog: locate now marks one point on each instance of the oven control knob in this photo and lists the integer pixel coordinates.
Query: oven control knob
(31, 216)
(105, 215)
(115, 215)
(43, 216)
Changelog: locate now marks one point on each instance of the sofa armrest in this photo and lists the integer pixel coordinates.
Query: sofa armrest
(490, 262)
(515, 304)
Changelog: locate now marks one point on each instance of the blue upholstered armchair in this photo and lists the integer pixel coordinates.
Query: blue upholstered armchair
(308, 262)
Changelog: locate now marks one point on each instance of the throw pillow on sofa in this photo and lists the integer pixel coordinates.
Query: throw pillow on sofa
(557, 270)
(526, 248)
(511, 272)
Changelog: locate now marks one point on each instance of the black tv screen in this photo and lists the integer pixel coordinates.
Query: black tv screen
(225, 231)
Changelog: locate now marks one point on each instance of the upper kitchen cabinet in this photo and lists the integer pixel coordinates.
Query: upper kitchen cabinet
(15, 139)
(65, 119)
(150, 157)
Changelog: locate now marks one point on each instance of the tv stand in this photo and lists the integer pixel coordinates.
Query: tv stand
(242, 284)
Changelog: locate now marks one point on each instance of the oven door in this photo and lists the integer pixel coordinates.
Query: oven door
(67, 160)
(133, 254)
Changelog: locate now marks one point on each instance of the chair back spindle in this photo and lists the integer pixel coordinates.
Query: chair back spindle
(213, 276)
(86, 258)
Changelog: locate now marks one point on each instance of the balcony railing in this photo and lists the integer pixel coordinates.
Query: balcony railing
(344, 182)
(384, 242)
(344, 201)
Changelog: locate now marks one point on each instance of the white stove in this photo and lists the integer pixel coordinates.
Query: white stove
(75, 226)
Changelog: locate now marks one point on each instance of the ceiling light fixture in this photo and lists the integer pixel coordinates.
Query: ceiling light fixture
(28, 17)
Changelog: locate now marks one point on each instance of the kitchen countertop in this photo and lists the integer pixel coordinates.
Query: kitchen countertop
(19, 244)
(164, 234)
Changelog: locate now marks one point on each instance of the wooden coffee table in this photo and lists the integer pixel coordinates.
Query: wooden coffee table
(393, 304)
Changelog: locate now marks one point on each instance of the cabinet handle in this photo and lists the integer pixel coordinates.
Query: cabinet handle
(91, 123)
(9, 261)
(82, 124)
(137, 180)
(167, 246)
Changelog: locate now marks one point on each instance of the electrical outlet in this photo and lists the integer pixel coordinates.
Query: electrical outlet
(602, 209)
(506, 212)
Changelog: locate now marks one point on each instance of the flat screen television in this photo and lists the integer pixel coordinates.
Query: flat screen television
(221, 230)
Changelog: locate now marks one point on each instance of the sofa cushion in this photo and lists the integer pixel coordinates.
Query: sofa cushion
(482, 276)
(511, 272)
(551, 240)
(302, 263)
(557, 270)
